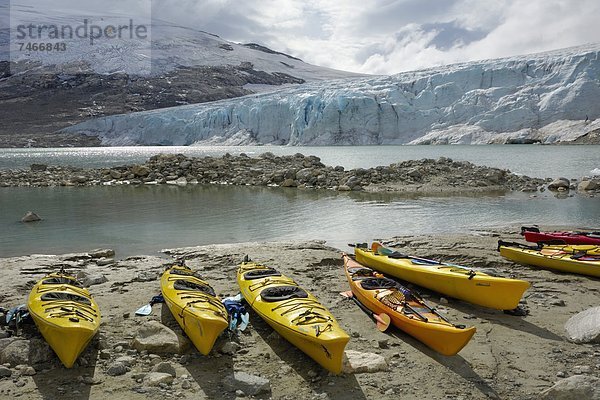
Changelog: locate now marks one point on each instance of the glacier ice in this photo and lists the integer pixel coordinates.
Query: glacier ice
(546, 97)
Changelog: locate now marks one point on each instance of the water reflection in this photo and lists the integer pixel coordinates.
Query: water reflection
(145, 219)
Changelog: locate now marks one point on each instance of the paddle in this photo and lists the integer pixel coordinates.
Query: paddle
(382, 320)
(147, 309)
(378, 248)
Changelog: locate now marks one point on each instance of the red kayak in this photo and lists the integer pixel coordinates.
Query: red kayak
(533, 234)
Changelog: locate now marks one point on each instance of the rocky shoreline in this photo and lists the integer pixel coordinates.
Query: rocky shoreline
(516, 357)
(420, 176)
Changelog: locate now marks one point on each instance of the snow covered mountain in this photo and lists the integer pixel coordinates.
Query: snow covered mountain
(44, 91)
(547, 97)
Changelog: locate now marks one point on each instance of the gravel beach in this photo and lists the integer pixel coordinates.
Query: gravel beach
(510, 357)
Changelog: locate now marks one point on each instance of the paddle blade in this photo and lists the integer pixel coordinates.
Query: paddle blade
(144, 311)
(383, 321)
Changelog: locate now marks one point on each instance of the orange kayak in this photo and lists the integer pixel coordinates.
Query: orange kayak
(406, 309)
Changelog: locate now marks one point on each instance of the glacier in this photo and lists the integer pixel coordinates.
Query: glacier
(547, 97)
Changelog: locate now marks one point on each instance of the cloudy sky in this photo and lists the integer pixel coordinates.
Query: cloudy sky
(384, 36)
(387, 36)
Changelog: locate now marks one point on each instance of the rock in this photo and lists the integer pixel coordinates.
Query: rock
(147, 276)
(559, 183)
(104, 354)
(557, 302)
(128, 361)
(101, 262)
(588, 185)
(344, 188)
(157, 378)
(26, 370)
(577, 387)
(38, 167)
(101, 253)
(414, 173)
(79, 179)
(230, 348)
(251, 385)
(116, 369)
(186, 384)
(581, 369)
(140, 170)
(356, 362)
(584, 327)
(29, 352)
(156, 338)
(165, 368)
(30, 216)
(5, 372)
(90, 279)
(181, 181)
(289, 183)
(304, 174)
(383, 343)
(115, 174)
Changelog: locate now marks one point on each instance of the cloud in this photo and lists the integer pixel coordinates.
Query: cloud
(385, 36)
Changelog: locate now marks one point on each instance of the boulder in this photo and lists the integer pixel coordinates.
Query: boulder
(414, 173)
(165, 368)
(102, 262)
(588, 185)
(147, 276)
(29, 352)
(356, 362)
(229, 348)
(115, 174)
(559, 183)
(251, 385)
(26, 370)
(577, 387)
(5, 372)
(289, 183)
(181, 181)
(117, 369)
(30, 216)
(90, 279)
(584, 327)
(128, 361)
(156, 338)
(304, 174)
(156, 378)
(140, 170)
(79, 179)
(101, 253)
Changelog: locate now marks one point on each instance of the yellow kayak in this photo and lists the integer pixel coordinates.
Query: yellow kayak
(452, 280)
(294, 313)
(195, 306)
(65, 313)
(406, 309)
(577, 259)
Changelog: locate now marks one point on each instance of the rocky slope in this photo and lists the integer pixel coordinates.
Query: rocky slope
(546, 98)
(517, 357)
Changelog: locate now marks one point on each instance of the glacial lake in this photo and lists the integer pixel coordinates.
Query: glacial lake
(146, 219)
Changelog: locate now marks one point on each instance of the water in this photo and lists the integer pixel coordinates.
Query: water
(143, 220)
(532, 160)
